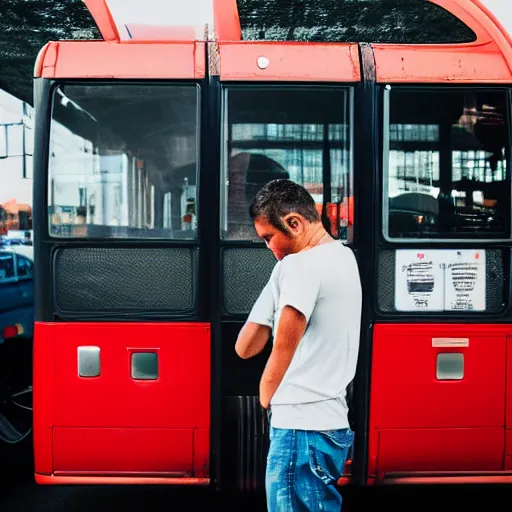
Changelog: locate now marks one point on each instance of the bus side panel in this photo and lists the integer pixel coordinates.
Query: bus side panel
(143, 394)
(202, 453)
(437, 393)
(508, 449)
(123, 450)
(508, 419)
(509, 383)
(42, 396)
(441, 449)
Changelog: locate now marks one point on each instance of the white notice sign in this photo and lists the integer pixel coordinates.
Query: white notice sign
(419, 280)
(465, 280)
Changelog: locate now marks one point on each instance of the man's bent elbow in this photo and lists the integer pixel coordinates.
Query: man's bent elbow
(241, 352)
(251, 340)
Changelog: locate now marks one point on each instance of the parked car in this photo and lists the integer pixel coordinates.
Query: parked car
(16, 290)
(16, 334)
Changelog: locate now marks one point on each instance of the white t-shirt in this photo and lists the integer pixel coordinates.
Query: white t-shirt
(322, 283)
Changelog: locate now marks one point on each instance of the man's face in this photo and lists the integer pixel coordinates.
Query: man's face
(279, 243)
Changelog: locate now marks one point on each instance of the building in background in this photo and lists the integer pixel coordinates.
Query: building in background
(16, 145)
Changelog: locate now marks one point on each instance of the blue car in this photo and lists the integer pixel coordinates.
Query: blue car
(16, 293)
(16, 333)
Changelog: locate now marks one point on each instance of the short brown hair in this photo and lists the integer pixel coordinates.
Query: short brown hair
(280, 197)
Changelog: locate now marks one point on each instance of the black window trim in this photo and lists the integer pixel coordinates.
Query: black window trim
(57, 85)
(385, 134)
(349, 87)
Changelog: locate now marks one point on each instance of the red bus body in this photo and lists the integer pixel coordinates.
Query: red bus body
(415, 428)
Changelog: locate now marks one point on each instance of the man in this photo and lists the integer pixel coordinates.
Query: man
(312, 306)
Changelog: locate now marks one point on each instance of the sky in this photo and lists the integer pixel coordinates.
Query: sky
(501, 9)
(156, 12)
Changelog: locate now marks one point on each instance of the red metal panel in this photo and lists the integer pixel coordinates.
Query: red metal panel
(226, 20)
(94, 59)
(438, 64)
(508, 449)
(46, 61)
(41, 56)
(102, 16)
(200, 60)
(117, 480)
(373, 450)
(508, 418)
(179, 398)
(43, 394)
(202, 453)
(464, 449)
(310, 62)
(121, 450)
(487, 60)
(112, 423)
(405, 392)
(493, 20)
(472, 478)
(471, 15)
(476, 16)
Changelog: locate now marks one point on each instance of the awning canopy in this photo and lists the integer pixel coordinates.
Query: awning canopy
(26, 26)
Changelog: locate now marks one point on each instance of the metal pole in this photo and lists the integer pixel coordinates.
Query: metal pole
(23, 135)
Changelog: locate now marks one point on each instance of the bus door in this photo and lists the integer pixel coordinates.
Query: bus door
(122, 343)
(439, 359)
(303, 133)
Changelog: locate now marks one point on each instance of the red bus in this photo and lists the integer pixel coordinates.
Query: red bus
(147, 153)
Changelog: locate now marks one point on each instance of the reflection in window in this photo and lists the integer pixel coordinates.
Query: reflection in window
(6, 266)
(123, 161)
(447, 165)
(23, 266)
(295, 133)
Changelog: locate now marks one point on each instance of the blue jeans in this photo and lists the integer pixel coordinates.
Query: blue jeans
(303, 468)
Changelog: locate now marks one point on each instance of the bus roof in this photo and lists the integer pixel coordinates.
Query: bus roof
(239, 50)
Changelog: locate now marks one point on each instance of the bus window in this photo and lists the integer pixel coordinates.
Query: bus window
(123, 161)
(446, 171)
(298, 133)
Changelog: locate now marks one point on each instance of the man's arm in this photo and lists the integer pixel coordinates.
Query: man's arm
(252, 339)
(258, 328)
(290, 330)
(299, 291)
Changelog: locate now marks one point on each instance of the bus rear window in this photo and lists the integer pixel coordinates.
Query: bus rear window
(123, 161)
(446, 172)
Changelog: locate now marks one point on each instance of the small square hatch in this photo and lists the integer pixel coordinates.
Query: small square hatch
(450, 366)
(145, 365)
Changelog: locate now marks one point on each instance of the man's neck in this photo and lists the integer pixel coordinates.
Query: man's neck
(318, 236)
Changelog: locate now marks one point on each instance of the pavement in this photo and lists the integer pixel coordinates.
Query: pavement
(19, 493)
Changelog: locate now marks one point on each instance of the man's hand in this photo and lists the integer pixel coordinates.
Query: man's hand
(290, 330)
(252, 339)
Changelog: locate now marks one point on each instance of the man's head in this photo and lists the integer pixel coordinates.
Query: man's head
(284, 216)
